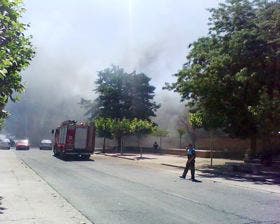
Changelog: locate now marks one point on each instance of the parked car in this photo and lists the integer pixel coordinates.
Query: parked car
(5, 144)
(46, 144)
(22, 144)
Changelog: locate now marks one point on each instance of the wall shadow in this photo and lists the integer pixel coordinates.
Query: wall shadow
(263, 176)
(2, 209)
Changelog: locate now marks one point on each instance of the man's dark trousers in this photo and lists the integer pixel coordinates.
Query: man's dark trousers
(189, 165)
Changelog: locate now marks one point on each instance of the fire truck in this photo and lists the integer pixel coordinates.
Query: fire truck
(74, 139)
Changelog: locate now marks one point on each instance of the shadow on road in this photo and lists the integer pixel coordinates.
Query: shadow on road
(197, 181)
(74, 158)
(143, 158)
(262, 177)
(1, 208)
(189, 179)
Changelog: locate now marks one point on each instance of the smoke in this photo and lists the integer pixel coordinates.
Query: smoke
(171, 109)
(74, 41)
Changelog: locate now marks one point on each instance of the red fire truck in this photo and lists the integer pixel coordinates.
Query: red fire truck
(72, 138)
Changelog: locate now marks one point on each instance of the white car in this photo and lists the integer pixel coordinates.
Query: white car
(46, 144)
(5, 144)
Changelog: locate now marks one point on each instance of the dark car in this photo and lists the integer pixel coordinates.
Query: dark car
(22, 144)
(5, 144)
(46, 144)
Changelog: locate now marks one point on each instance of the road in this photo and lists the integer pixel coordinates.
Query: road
(112, 190)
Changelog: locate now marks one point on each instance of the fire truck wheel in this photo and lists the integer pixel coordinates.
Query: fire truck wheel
(86, 157)
(62, 156)
(55, 152)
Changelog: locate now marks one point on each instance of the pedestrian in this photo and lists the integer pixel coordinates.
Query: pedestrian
(190, 162)
(155, 145)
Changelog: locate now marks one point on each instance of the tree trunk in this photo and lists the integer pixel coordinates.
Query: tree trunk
(266, 150)
(253, 146)
(266, 142)
(139, 147)
(193, 137)
(104, 145)
(180, 141)
(119, 144)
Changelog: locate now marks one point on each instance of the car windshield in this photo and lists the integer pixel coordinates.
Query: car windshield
(25, 141)
(46, 141)
(6, 140)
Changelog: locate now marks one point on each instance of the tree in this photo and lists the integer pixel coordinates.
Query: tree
(209, 123)
(141, 128)
(90, 107)
(181, 132)
(122, 95)
(112, 100)
(231, 79)
(104, 129)
(142, 95)
(185, 123)
(16, 52)
(161, 133)
(119, 129)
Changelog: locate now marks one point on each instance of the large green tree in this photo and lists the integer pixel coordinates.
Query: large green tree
(16, 52)
(231, 78)
(122, 95)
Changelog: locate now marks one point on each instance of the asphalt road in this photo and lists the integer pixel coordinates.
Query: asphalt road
(112, 190)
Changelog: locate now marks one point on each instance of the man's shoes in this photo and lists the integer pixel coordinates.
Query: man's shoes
(193, 179)
(182, 177)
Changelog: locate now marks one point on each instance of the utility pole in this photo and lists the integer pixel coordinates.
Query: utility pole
(211, 147)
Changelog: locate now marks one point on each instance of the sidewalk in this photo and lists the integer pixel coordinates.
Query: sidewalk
(25, 198)
(170, 160)
(265, 180)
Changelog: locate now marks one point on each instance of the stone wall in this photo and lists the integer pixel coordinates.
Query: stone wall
(223, 146)
(229, 146)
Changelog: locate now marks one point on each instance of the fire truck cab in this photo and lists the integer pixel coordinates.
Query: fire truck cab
(75, 139)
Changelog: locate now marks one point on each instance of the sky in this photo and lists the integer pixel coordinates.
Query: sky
(76, 39)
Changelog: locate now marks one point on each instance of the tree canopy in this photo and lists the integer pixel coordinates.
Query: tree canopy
(231, 79)
(122, 95)
(119, 128)
(16, 52)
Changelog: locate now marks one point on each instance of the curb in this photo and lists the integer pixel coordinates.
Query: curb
(56, 191)
(171, 165)
(120, 157)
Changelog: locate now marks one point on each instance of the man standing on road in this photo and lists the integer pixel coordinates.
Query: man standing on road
(190, 163)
